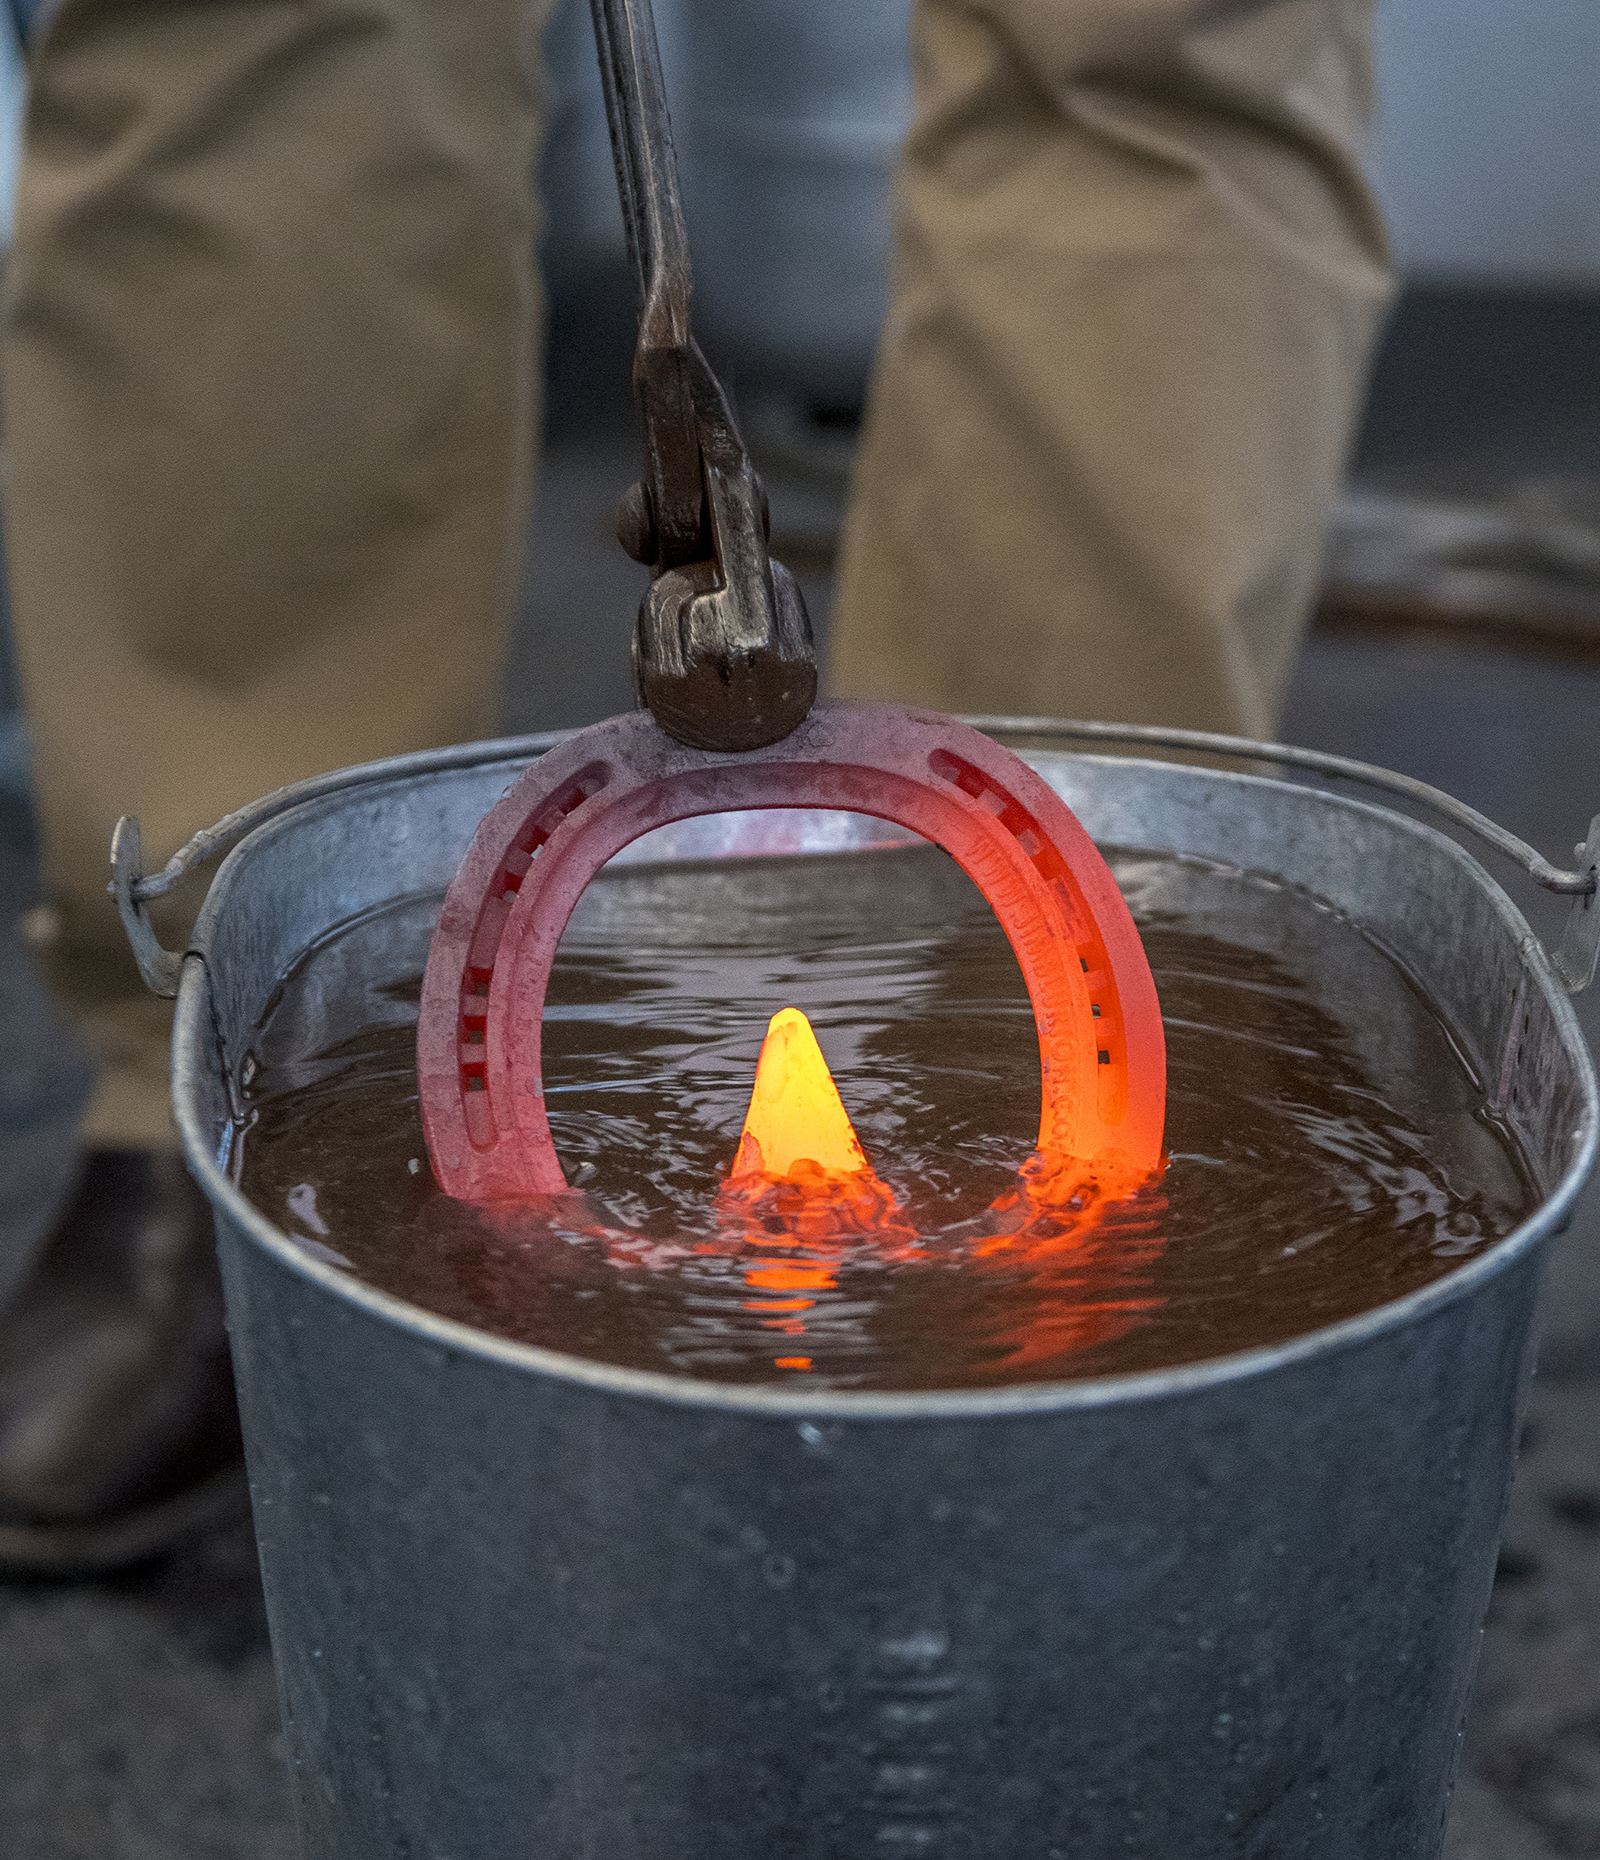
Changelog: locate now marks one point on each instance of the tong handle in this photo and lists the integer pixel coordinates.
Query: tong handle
(641, 147)
(723, 655)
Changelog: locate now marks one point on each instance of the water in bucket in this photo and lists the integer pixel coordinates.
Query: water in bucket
(1328, 1147)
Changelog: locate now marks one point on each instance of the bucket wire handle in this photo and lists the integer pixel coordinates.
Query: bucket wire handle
(723, 656)
(1574, 958)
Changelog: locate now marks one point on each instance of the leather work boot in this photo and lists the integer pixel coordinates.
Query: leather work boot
(119, 1436)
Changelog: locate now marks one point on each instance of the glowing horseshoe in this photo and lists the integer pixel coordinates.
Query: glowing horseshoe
(1102, 1055)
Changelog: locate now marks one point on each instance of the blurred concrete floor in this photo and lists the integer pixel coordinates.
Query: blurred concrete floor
(138, 1719)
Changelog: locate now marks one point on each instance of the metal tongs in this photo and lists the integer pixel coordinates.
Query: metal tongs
(723, 656)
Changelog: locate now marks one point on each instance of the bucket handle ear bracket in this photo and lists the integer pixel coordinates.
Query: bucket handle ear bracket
(158, 968)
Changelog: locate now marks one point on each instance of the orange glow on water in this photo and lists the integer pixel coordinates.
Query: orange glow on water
(800, 1178)
(772, 1276)
(802, 1215)
(801, 1185)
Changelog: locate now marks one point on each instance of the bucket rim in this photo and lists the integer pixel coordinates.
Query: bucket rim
(193, 1024)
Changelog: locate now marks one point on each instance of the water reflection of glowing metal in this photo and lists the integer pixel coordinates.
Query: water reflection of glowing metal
(801, 1178)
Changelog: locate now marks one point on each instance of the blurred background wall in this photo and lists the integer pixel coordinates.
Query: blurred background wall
(1488, 148)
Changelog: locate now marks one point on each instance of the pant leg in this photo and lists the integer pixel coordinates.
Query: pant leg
(1139, 275)
(270, 383)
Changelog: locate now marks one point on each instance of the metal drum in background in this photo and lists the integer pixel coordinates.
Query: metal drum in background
(788, 120)
(582, 231)
(526, 1604)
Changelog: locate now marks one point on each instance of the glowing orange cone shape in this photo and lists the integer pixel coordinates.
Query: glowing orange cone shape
(795, 1114)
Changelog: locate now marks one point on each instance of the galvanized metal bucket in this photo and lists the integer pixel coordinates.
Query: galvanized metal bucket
(525, 1604)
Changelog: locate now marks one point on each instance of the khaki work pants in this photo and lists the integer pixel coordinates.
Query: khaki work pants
(1139, 278)
(270, 394)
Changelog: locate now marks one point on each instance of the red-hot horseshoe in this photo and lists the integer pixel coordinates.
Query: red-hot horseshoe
(1101, 1050)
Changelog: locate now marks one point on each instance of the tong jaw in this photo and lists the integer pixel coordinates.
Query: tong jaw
(723, 655)
(716, 668)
